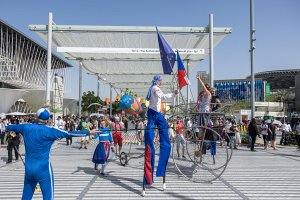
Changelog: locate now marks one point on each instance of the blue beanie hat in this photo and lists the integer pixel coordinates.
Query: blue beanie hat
(43, 114)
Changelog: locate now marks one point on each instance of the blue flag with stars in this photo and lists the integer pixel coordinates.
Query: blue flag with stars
(167, 54)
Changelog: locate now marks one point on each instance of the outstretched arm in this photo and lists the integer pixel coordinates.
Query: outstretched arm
(161, 95)
(18, 128)
(207, 92)
(58, 133)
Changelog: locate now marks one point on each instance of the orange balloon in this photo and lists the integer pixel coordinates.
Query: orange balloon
(137, 106)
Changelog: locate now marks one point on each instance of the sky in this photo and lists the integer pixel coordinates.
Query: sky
(277, 25)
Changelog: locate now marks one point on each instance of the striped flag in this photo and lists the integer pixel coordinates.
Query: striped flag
(182, 78)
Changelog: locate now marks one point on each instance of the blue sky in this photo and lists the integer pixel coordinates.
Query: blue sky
(277, 24)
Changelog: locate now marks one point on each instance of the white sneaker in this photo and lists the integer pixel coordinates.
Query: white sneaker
(164, 186)
(143, 193)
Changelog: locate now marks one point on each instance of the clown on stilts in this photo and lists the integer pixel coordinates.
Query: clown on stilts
(155, 118)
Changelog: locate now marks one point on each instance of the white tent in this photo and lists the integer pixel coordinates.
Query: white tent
(128, 56)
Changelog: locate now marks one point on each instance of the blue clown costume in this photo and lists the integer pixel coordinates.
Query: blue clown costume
(102, 150)
(155, 118)
(38, 139)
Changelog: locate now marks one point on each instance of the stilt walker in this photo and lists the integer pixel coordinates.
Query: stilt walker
(155, 118)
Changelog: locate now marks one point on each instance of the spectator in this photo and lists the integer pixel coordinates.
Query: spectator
(264, 132)
(273, 128)
(180, 141)
(86, 126)
(2, 131)
(227, 127)
(13, 142)
(297, 131)
(253, 132)
(140, 128)
(216, 103)
(59, 123)
(116, 128)
(286, 128)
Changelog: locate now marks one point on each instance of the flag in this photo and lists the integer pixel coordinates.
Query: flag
(166, 53)
(182, 78)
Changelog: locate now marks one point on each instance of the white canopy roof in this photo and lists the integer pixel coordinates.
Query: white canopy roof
(128, 56)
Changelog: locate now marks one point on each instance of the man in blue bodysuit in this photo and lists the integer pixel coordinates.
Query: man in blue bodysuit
(38, 139)
(155, 118)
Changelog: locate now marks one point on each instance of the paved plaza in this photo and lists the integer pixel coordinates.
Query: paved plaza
(249, 175)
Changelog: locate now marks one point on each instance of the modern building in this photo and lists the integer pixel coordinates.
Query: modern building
(23, 65)
(265, 83)
(287, 80)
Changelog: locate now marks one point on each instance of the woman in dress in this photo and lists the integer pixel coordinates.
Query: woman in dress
(102, 150)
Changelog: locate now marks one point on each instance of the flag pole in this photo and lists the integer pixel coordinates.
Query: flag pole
(187, 89)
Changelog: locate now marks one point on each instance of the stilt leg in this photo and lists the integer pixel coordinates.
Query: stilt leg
(144, 191)
(164, 183)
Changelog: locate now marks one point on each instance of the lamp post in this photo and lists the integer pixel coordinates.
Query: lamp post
(252, 47)
(283, 108)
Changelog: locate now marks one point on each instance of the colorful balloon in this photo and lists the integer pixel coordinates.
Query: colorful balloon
(126, 101)
(130, 105)
(135, 108)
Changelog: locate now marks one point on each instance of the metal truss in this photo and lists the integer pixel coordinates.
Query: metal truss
(23, 62)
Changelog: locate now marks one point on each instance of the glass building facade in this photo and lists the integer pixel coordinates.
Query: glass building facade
(240, 89)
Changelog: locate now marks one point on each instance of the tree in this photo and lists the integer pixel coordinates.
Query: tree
(87, 99)
(280, 96)
(236, 105)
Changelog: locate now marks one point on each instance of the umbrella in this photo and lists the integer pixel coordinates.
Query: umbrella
(92, 104)
(16, 114)
(274, 122)
(96, 114)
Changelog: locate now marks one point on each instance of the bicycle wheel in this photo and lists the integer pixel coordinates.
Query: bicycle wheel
(206, 160)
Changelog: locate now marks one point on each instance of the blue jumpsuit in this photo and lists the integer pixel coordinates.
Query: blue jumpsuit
(155, 118)
(38, 139)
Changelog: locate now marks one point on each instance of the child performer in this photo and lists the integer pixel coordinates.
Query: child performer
(102, 150)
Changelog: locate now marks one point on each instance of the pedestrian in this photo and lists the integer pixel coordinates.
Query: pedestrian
(253, 132)
(38, 139)
(2, 131)
(273, 128)
(116, 128)
(13, 142)
(286, 128)
(264, 132)
(180, 140)
(86, 126)
(155, 118)
(297, 131)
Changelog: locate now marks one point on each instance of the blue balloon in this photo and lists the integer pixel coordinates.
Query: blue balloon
(126, 101)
